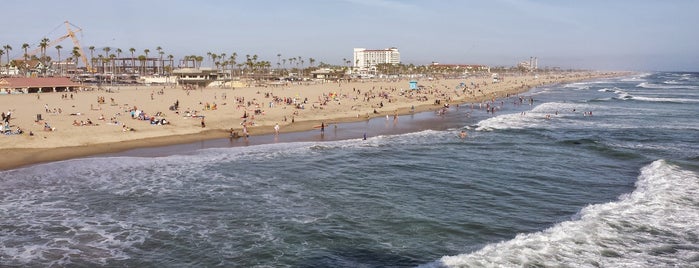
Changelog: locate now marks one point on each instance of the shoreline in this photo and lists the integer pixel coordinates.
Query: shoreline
(23, 157)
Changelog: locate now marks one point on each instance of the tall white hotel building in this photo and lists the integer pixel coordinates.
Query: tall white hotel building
(369, 58)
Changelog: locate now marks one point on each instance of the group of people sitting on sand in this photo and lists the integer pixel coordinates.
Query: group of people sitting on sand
(154, 120)
(7, 130)
(84, 123)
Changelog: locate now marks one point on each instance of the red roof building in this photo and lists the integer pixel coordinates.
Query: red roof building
(9, 85)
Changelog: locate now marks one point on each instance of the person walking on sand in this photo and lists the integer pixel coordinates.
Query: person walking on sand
(203, 125)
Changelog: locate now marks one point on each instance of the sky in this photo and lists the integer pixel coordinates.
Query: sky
(640, 35)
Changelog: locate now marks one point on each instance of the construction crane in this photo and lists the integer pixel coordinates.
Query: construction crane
(71, 33)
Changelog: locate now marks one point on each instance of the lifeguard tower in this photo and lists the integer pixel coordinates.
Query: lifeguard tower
(413, 85)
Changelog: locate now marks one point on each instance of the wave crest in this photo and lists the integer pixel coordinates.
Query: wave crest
(659, 217)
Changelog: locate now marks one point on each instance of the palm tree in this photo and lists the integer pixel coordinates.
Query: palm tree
(160, 52)
(279, 59)
(118, 56)
(58, 48)
(92, 55)
(302, 70)
(170, 57)
(142, 59)
(2, 52)
(311, 61)
(146, 51)
(7, 49)
(76, 56)
(248, 61)
(106, 54)
(160, 65)
(43, 45)
(198, 60)
(232, 59)
(105, 65)
(100, 60)
(25, 46)
(133, 60)
(111, 59)
(213, 58)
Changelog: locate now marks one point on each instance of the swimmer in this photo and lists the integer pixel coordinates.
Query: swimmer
(463, 134)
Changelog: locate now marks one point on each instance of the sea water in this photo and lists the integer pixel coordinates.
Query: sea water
(600, 173)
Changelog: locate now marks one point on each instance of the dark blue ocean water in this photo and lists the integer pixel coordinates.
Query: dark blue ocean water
(536, 185)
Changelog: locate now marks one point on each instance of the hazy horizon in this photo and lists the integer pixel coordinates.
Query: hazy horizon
(601, 35)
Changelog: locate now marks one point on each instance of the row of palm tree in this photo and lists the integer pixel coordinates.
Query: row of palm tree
(222, 62)
(227, 63)
(107, 61)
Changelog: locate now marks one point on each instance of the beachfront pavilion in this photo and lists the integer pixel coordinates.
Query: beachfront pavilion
(19, 85)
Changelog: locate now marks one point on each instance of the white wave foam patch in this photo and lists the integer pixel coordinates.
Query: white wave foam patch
(636, 78)
(579, 85)
(546, 114)
(656, 86)
(654, 226)
(675, 100)
(621, 94)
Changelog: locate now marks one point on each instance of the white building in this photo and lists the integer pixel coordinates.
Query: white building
(368, 58)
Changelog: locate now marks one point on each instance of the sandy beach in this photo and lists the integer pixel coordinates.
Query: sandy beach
(66, 125)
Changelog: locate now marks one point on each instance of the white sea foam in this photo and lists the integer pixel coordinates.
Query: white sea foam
(636, 78)
(654, 226)
(556, 112)
(676, 100)
(578, 86)
(657, 86)
(624, 95)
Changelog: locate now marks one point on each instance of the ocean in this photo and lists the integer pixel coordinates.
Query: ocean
(602, 173)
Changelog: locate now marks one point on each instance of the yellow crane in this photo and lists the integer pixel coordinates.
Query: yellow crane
(71, 33)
